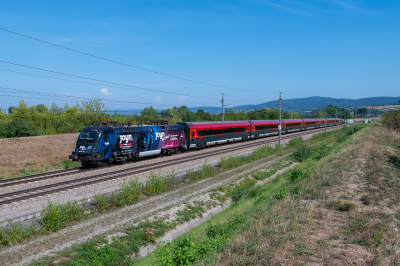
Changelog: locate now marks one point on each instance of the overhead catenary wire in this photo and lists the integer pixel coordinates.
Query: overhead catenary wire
(109, 82)
(9, 90)
(82, 82)
(129, 65)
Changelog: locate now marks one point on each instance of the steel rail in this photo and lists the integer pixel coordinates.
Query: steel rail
(121, 173)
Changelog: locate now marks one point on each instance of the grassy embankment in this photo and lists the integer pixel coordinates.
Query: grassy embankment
(70, 211)
(340, 209)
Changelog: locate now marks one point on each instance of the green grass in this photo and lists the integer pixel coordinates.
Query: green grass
(244, 193)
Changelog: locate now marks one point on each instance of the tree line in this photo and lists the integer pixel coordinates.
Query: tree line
(24, 120)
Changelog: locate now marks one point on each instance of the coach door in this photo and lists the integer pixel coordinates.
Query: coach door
(193, 135)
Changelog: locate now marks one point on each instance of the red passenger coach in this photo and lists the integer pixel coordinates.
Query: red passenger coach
(310, 123)
(211, 133)
(263, 128)
(291, 125)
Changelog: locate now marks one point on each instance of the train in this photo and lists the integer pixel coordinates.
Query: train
(110, 142)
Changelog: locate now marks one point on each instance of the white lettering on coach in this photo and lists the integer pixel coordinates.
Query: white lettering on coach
(125, 138)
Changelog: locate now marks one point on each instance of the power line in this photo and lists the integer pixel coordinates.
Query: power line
(9, 90)
(103, 81)
(124, 64)
(70, 80)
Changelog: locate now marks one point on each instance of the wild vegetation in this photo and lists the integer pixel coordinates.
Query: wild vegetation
(284, 187)
(392, 119)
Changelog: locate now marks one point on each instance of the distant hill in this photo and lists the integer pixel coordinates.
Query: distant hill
(299, 104)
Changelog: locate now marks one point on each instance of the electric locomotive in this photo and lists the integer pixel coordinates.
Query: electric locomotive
(106, 144)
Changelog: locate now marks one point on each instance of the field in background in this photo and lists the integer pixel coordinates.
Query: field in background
(19, 156)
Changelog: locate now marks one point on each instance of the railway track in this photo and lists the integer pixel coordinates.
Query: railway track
(20, 195)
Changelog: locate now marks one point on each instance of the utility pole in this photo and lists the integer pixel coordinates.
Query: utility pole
(280, 118)
(319, 111)
(344, 118)
(336, 112)
(222, 106)
(355, 116)
(325, 113)
(290, 109)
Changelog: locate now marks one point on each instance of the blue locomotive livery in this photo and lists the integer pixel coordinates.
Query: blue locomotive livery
(106, 144)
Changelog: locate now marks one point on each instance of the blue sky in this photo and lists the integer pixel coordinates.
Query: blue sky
(255, 48)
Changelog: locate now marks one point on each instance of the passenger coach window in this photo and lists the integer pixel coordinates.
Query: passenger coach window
(105, 137)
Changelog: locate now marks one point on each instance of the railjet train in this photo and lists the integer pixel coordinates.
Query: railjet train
(97, 145)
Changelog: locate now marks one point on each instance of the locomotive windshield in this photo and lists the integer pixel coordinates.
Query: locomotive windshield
(88, 136)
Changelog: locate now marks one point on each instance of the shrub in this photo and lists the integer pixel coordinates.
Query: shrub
(118, 198)
(16, 233)
(156, 184)
(392, 119)
(296, 174)
(242, 189)
(281, 194)
(51, 218)
(69, 211)
(346, 206)
(130, 190)
(295, 142)
(17, 128)
(101, 201)
(302, 153)
(205, 170)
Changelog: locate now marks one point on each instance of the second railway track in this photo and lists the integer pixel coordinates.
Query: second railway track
(20, 195)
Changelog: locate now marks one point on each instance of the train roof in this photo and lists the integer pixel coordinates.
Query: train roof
(214, 122)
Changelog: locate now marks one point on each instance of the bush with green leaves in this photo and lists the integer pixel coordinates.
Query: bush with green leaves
(296, 174)
(205, 170)
(51, 218)
(17, 128)
(101, 201)
(130, 190)
(16, 233)
(242, 189)
(282, 193)
(295, 142)
(302, 153)
(157, 184)
(55, 215)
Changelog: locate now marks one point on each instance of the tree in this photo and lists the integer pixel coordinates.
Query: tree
(148, 114)
(331, 111)
(203, 115)
(174, 115)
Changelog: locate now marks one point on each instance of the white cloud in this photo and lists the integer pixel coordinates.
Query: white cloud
(181, 99)
(105, 92)
(158, 99)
